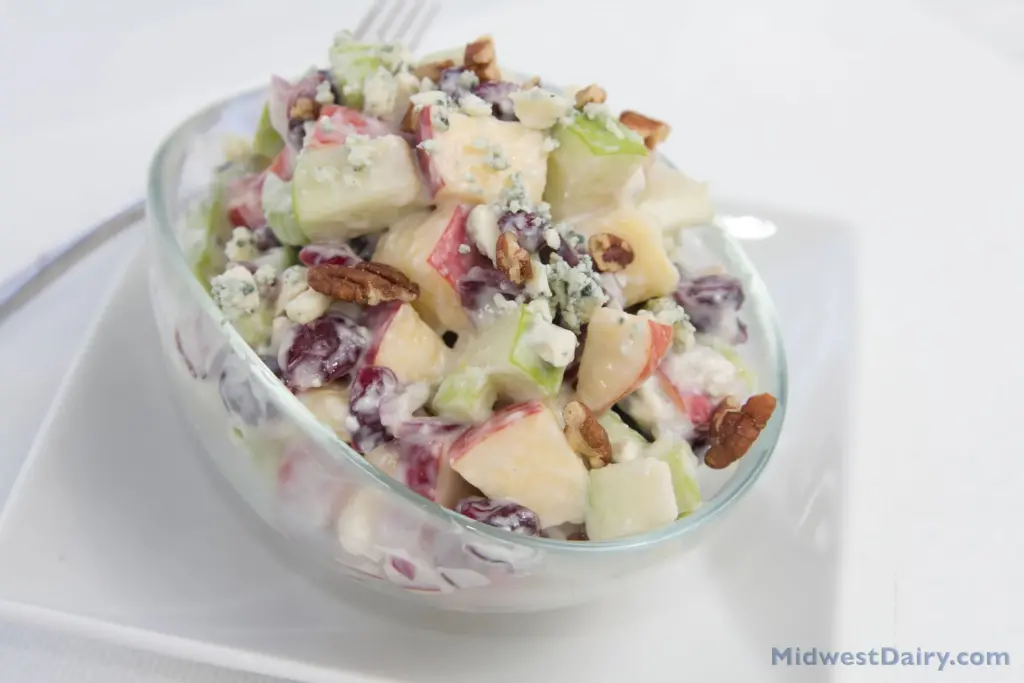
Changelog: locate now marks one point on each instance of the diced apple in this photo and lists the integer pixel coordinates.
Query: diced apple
(336, 198)
(652, 273)
(698, 379)
(670, 199)
(627, 443)
(679, 457)
(591, 166)
(630, 498)
(426, 249)
(329, 405)
(266, 142)
(467, 395)
(425, 470)
(621, 351)
(520, 454)
(511, 351)
(406, 345)
(472, 160)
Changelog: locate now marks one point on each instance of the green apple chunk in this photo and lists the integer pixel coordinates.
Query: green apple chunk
(627, 443)
(466, 395)
(255, 327)
(343, 191)
(523, 353)
(276, 199)
(352, 62)
(678, 455)
(591, 165)
(277, 258)
(266, 142)
(629, 498)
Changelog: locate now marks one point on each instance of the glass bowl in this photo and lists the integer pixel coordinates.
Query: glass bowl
(329, 506)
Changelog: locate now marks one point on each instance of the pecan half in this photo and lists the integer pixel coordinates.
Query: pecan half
(512, 259)
(733, 430)
(651, 130)
(481, 59)
(367, 283)
(304, 109)
(586, 436)
(432, 70)
(593, 93)
(611, 253)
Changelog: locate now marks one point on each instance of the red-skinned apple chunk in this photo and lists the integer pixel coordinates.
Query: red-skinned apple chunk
(621, 351)
(520, 454)
(426, 248)
(472, 159)
(405, 344)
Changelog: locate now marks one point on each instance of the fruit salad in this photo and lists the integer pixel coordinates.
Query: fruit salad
(479, 282)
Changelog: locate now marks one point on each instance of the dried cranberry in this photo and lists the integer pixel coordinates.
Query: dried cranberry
(478, 286)
(264, 238)
(421, 464)
(496, 93)
(320, 352)
(712, 302)
(450, 338)
(528, 228)
(371, 385)
(503, 514)
(364, 245)
(338, 254)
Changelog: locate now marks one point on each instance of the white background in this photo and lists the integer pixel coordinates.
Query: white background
(902, 119)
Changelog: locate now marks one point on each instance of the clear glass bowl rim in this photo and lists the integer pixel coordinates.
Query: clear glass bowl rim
(161, 224)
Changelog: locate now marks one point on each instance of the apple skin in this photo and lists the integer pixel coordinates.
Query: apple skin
(426, 248)
(446, 258)
(498, 421)
(696, 406)
(592, 389)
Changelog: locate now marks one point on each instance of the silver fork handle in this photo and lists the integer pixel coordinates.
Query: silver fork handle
(18, 289)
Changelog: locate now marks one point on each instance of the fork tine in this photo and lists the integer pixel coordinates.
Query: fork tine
(367, 20)
(410, 17)
(419, 31)
(389, 19)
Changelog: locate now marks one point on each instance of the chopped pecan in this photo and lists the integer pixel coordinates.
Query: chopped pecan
(593, 93)
(304, 109)
(512, 259)
(367, 283)
(586, 436)
(481, 59)
(409, 120)
(433, 70)
(651, 130)
(531, 82)
(733, 430)
(611, 253)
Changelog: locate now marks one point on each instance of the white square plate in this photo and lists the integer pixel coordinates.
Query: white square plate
(111, 532)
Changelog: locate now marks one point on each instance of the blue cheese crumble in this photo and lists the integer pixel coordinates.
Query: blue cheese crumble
(241, 246)
(575, 290)
(472, 105)
(538, 108)
(235, 292)
(666, 311)
(324, 94)
(380, 91)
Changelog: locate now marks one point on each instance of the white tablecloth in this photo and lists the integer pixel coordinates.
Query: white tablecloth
(849, 118)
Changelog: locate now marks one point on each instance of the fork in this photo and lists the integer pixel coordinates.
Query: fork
(390, 21)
